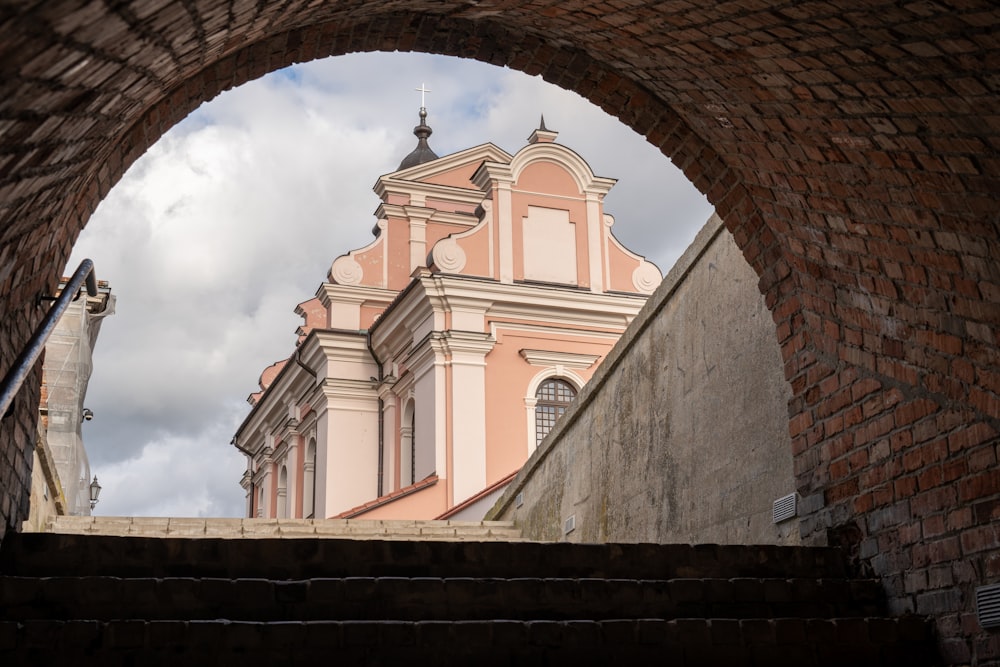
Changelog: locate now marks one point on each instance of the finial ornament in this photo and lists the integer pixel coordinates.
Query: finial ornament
(422, 153)
(542, 134)
(423, 90)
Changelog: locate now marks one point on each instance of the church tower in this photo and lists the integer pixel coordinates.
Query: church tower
(433, 360)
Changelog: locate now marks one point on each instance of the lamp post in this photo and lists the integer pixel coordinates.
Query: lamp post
(95, 491)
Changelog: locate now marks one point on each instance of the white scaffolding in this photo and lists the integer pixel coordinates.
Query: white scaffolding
(67, 368)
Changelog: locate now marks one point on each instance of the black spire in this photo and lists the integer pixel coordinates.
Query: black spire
(422, 153)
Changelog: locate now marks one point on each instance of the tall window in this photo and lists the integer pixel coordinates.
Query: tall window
(554, 396)
(407, 446)
(309, 481)
(282, 510)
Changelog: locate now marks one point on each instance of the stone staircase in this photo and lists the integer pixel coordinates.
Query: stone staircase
(90, 598)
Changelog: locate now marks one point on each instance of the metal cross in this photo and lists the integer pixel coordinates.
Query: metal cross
(423, 90)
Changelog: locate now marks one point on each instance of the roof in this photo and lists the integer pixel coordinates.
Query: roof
(422, 153)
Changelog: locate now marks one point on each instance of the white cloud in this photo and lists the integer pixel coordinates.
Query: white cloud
(174, 476)
(234, 216)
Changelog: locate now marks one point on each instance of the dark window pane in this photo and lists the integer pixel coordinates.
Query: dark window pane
(553, 396)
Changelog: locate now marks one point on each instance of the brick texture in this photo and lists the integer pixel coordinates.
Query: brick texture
(853, 149)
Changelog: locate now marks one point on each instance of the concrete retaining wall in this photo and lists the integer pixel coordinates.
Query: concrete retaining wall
(682, 436)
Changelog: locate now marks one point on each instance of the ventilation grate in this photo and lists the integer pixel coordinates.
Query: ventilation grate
(519, 499)
(988, 606)
(569, 525)
(784, 508)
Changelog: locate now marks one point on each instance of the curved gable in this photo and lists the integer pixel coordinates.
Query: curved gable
(548, 177)
(530, 162)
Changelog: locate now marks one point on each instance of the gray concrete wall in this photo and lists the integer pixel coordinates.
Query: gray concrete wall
(682, 435)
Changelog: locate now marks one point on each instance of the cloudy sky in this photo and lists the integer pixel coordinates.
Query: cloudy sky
(234, 216)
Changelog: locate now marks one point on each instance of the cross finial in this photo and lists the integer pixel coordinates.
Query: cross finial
(423, 90)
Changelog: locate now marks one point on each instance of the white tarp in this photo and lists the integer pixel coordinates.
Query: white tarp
(67, 368)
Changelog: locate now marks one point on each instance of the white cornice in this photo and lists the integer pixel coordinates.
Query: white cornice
(468, 341)
(424, 355)
(356, 294)
(272, 407)
(394, 186)
(351, 391)
(487, 151)
(616, 318)
(280, 452)
(332, 344)
(544, 136)
(586, 333)
(524, 298)
(410, 309)
(492, 171)
(308, 424)
(302, 386)
(552, 358)
(511, 170)
(406, 211)
(560, 308)
(530, 297)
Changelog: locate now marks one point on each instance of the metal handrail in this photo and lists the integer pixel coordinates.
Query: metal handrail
(18, 373)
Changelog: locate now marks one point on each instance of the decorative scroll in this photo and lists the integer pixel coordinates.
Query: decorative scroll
(345, 271)
(448, 255)
(646, 277)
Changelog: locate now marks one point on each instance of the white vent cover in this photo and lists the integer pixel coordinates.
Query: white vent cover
(519, 499)
(988, 606)
(569, 525)
(784, 508)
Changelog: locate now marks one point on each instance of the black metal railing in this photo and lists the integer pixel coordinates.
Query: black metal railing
(17, 374)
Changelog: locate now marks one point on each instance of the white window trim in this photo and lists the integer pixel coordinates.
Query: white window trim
(560, 372)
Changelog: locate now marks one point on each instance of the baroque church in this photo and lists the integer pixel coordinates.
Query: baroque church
(432, 361)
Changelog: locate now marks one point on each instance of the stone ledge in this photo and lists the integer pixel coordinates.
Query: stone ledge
(283, 528)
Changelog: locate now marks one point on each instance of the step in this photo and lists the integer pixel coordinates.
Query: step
(52, 554)
(113, 600)
(430, 598)
(284, 528)
(774, 642)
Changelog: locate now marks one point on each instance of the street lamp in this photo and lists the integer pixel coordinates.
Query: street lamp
(95, 491)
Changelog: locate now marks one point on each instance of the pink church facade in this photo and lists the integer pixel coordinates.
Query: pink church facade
(432, 361)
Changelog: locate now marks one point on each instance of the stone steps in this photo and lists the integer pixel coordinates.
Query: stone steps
(357, 529)
(45, 554)
(110, 600)
(681, 642)
(432, 598)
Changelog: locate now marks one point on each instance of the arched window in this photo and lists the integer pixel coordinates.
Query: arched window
(553, 397)
(282, 512)
(309, 481)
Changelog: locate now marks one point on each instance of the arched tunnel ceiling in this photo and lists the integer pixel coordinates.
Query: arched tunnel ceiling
(851, 146)
(848, 145)
(811, 126)
(840, 87)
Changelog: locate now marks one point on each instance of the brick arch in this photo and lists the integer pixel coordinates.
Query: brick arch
(851, 147)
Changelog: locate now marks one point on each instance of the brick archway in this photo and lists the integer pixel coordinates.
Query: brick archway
(852, 148)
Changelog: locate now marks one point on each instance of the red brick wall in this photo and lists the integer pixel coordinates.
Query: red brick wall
(851, 147)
